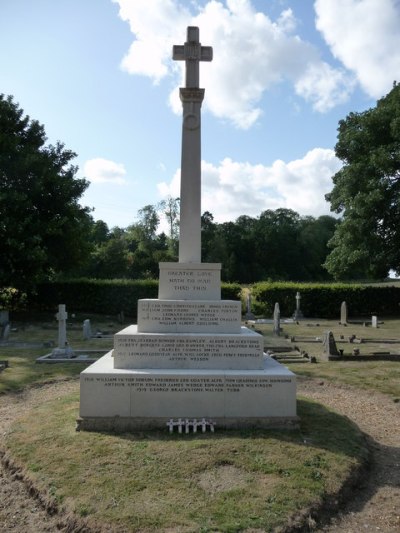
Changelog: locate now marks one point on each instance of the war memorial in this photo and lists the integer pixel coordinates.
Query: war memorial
(188, 359)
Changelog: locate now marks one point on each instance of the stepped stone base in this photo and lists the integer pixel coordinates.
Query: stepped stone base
(126, 400)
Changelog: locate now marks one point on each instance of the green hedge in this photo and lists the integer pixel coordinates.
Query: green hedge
(105, 296)
(324, 300)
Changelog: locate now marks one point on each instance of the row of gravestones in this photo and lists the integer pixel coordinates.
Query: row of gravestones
(298, 315)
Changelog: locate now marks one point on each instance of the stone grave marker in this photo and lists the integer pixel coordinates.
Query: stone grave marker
(277, 320)
(374, 321)
(87, 329)
(330, 350)
(249, 315)
(298, 315)
(343, 314)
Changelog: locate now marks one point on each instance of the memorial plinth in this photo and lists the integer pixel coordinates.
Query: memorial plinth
(188, 357)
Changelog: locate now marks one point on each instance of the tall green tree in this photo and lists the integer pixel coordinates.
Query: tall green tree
(42, 226)
(367, 191)
(170, 209)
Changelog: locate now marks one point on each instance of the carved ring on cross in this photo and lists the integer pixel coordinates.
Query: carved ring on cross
(191, 121)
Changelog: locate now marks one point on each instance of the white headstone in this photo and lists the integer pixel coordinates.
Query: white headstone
(374, 321)
(343, 313)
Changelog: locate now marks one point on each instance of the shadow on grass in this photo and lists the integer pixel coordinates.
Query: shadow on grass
(319, 428)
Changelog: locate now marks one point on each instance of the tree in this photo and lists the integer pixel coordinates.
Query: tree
(367, 191)
(42, 226)
(170, 209)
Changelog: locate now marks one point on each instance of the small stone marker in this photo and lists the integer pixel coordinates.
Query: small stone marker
(343, 314)
(374, 321)
(297, 315)
(87, 329)
(330, 350)
(277, 320)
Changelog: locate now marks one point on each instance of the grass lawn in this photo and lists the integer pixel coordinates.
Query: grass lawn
(153, 481)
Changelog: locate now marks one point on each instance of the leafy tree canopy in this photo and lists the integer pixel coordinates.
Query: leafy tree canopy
(367, 191)
(43, 228)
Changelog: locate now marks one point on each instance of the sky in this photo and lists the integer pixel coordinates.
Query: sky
(99, 75)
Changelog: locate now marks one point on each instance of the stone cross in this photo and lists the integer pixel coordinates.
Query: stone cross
(191, 97)
(62, 316)
(298, 313)
(192, 52)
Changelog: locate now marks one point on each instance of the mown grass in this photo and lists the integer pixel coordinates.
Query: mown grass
(382, 376)
(227, 481)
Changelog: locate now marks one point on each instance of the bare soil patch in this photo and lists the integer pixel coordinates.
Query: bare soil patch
(375, 505)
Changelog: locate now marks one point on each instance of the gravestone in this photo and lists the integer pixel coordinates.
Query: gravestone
(87, 329)
(298, 315)
(188, 358)
(374, 321)
(343, 314)
(5, 332)
(330, 351)
(249, 315)
(277, 320)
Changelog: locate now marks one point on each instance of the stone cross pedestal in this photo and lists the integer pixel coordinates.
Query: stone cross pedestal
(63, 349)
(297, 315)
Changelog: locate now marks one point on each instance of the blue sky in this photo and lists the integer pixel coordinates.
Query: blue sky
(99, 75)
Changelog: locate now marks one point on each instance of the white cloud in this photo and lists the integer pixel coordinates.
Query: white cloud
(324, 86)
(154, 24)
(252, 53)
(231, 188)
(364, 35)
(100, 170)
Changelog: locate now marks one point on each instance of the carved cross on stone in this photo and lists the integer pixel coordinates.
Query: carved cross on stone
(192, 52)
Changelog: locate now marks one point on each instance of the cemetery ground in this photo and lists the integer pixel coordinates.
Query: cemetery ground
(339, 472)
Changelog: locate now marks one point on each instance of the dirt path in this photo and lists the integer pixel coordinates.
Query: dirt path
(374, 507)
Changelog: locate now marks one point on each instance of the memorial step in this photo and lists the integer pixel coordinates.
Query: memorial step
(133, 349)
